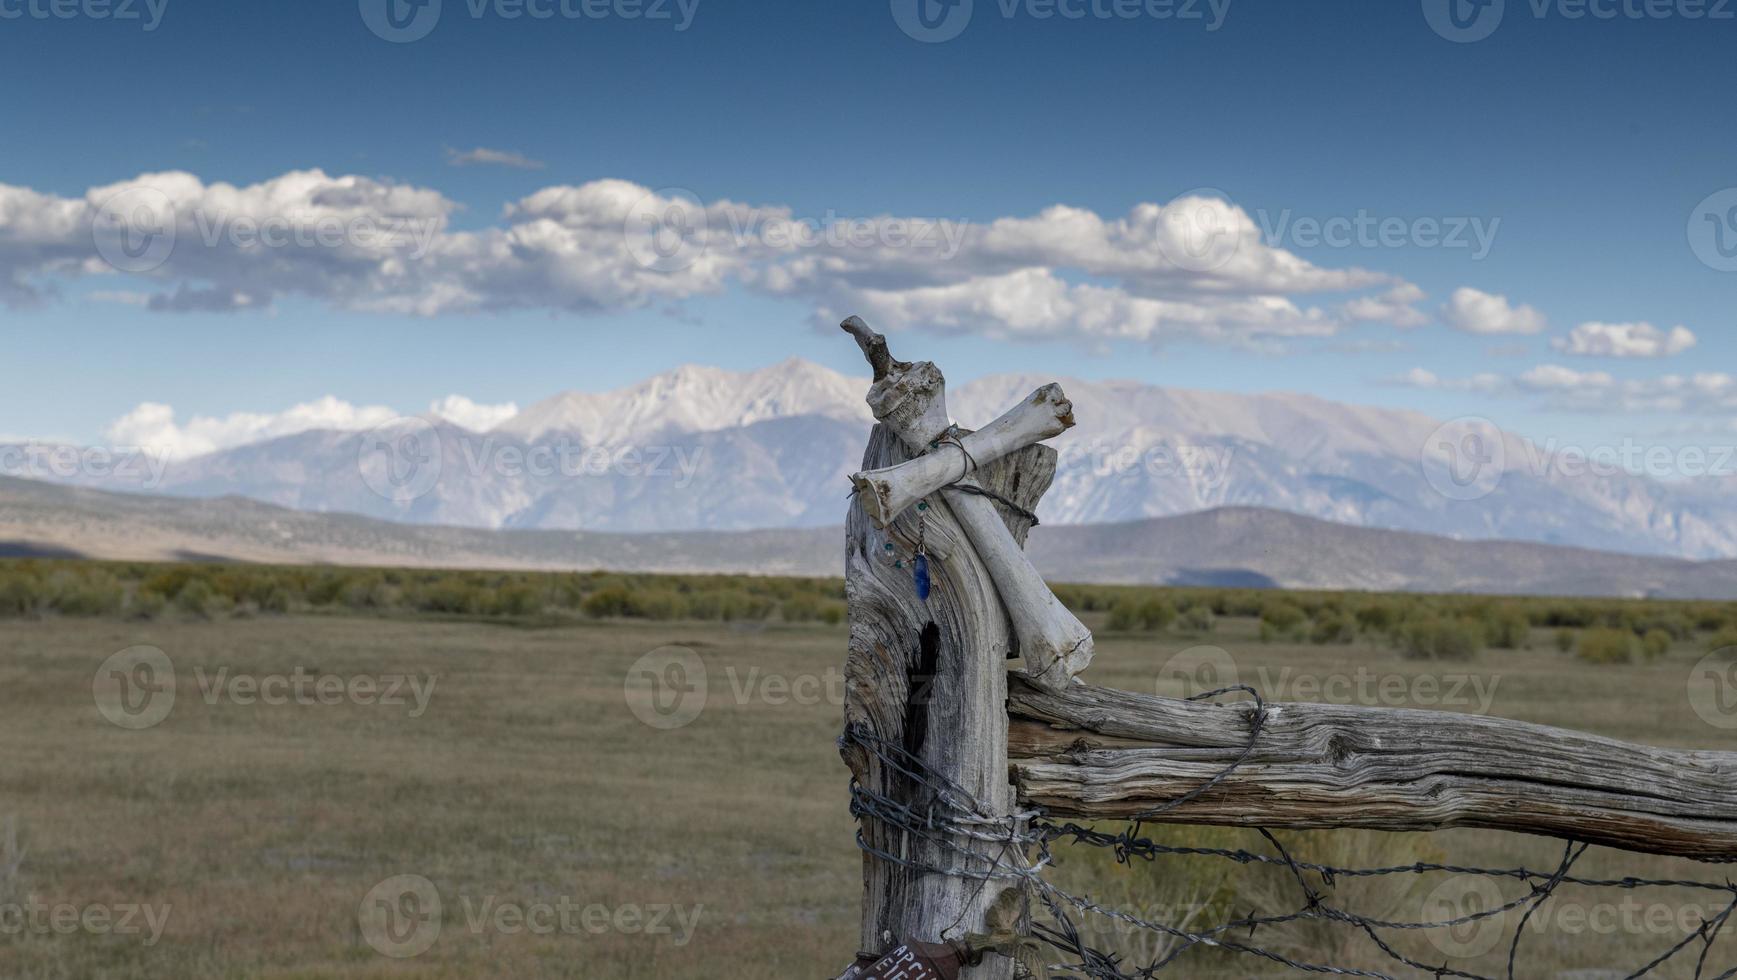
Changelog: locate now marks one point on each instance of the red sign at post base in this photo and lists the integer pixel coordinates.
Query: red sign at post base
(913, 961)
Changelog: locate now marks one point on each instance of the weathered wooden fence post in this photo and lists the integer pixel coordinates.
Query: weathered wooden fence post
(929, 677)
(941, 598)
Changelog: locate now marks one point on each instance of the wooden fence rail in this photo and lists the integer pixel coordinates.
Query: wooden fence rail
(1093, 753)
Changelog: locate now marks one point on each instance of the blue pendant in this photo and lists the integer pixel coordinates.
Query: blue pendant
(920, 572)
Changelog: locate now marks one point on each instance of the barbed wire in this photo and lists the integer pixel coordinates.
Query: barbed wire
(948, 831)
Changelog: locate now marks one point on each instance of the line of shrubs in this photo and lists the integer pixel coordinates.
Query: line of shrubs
(207, 591)
(1420, 626)
(1435, 627)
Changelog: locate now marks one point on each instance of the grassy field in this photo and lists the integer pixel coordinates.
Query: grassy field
(506, 762)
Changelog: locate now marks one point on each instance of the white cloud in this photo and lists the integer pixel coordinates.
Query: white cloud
(1194, 268)
(1397, 306)
(1568, 389)
(461, 411)
(152, 426)
(1425, 378)
(484, 156)
(1625, 340)
(1552, 377)
(1474, 311)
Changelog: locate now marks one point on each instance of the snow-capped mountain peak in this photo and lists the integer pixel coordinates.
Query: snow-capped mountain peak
(694, 398)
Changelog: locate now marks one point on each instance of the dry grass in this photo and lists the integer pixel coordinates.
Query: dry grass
(529, 779)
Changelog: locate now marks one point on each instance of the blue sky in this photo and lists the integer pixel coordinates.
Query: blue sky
(1581, 146)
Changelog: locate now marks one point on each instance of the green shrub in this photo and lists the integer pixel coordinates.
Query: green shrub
(1723, 641)
(1197, 619)
(95, 594)
(1440, 639)
(17, 595)
(1655, 644)
(147, 604)
(1377, 617)
(516, 600)
(800, 609)
(609, 602)
(1508, 629)
(1125, 614)
(1333, 627)
(1607, 646)
(1281, 617)
(195, 598)
(1157, 613)
(1565, 640)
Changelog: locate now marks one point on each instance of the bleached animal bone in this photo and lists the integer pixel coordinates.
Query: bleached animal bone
(886, 492)
(911, 400)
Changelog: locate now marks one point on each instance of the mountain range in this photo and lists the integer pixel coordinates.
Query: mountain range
(1232, 546)
(702, 448)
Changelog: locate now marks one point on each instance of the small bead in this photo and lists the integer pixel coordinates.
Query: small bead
(922, 505)
(899, 564)
(889, 546)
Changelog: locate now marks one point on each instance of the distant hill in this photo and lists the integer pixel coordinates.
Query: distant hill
(1239, 546)
(705, 448)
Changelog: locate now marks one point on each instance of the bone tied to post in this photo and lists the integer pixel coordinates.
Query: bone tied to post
(911, 400)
